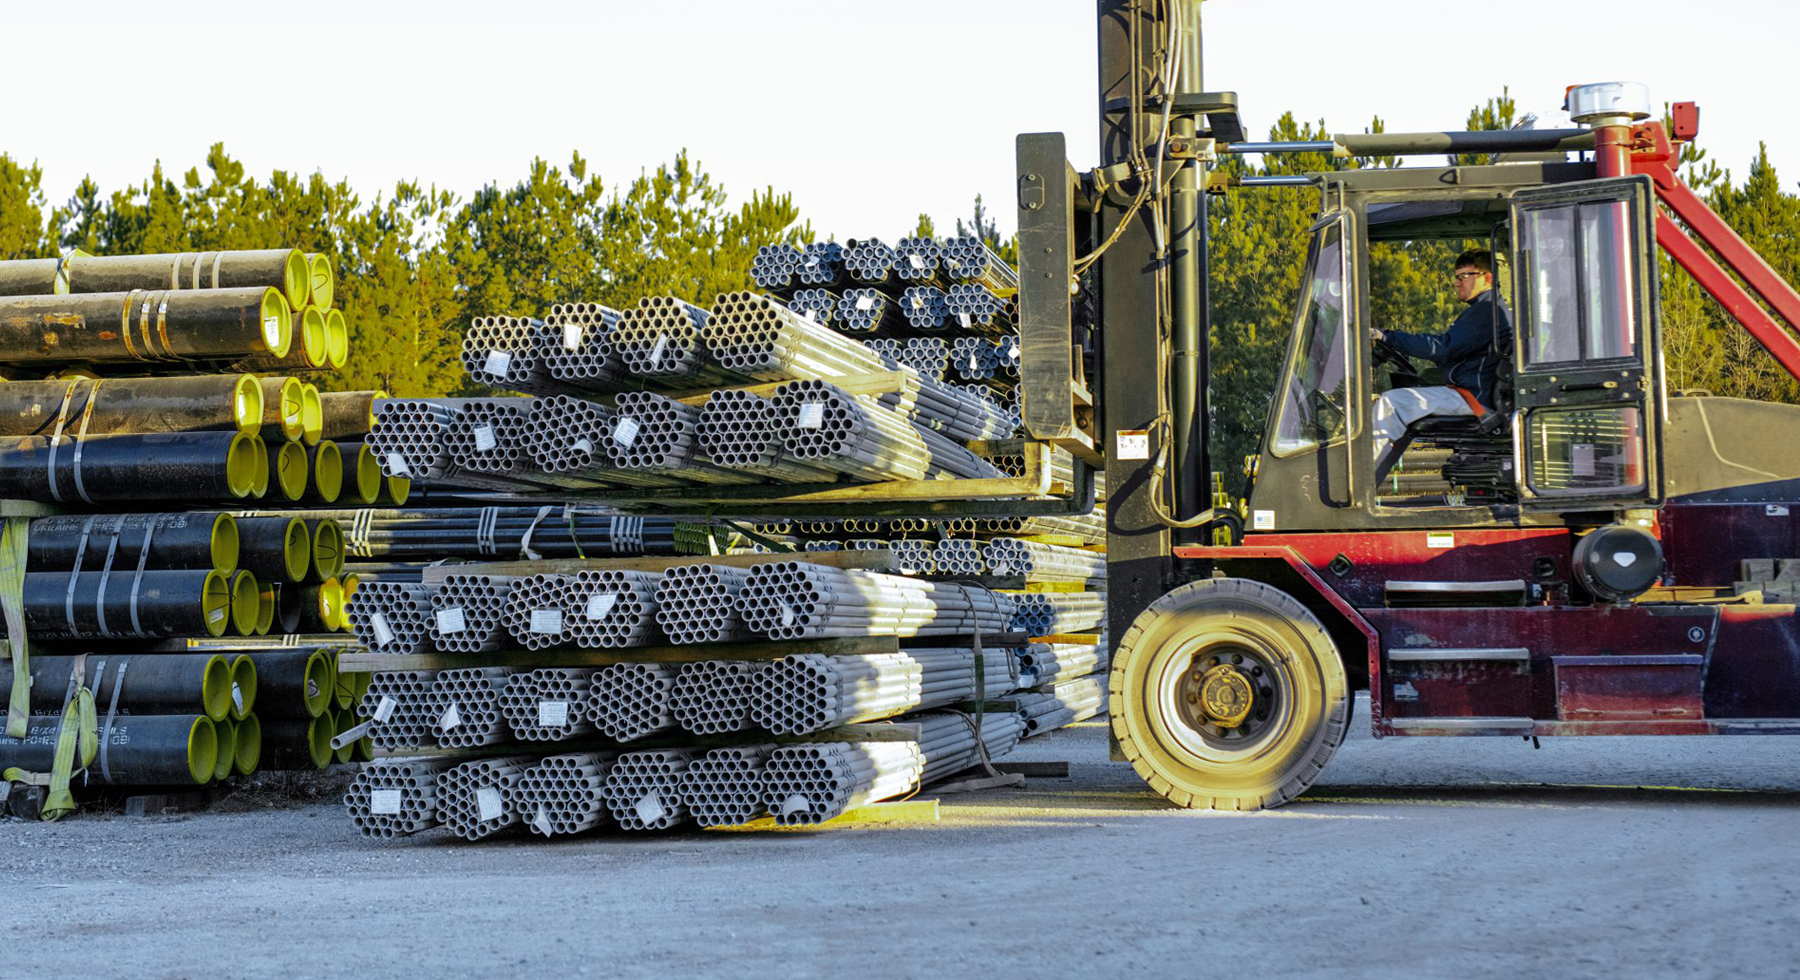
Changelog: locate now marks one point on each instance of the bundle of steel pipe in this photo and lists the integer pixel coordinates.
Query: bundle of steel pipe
(198, 466)
(776, 268)
(813, 783)
(975, 358)
(1065, 704)
(919, 260)
(287, 270)
(664, 338)
(914, 557)
(158, 325)
(535, 611)
(398, 708)
(739, 430)
(612, 608)
(924, 307)
(391, 617)
(395, 799)
(817, 305)
(489, 438)
(468, 613)
(1054, 663)
(563, 794)
(867, 310)
(697, 604)
(821, 264)
(502, 352)
(712, 697)
(930, 356)
(223, 403)
(793, 600)
(464, 705)
(629, 701)
(958, 558)
(656, 434)
(723, 787)
(643, 789)
(970, 260)
(1089, 527)
(571, 440)
(576, 347)
(409, 437)
(547, 704)
(972, 307)
(869, 260)
(471, 797)
(752, 335)
(159, 541)
(824, 426)
(1044, 613)
(808, 692)
(530, 531)
(1042, 562)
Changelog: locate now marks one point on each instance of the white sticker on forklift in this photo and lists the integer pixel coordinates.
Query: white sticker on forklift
(1262, 520)
(1440, 539)
(1131, 443)
(1775, 510)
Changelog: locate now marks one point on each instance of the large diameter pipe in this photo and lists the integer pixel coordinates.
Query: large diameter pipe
(141, 750)
(227, 402)
(243, 686)
(146, 325)
(134, 684)
(198, 466)
(323, 278)
(287, 469)
(248, 754)
(307, 350)
(283, 409)
(295, 744)
(226, 750)
(161, 603)
(119, 541)
(277, 549)
(292, 683)
(348, 414)
(285, 269)
(325, 466)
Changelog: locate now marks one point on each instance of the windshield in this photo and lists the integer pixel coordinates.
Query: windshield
(1315, 399)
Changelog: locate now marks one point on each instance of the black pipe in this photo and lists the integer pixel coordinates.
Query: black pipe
(287, 469)
(168, 603)
(158, 326)
(320, 607)
(200, 466)
(277, 549)
(284, 269)
(223, 403)
(295, 744)
(146, 684)
(248, 755)
(140, 750)
(327, 549)
(325, 473)
(291, 683)
(176, 541)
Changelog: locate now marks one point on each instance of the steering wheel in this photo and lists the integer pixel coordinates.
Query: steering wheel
(1386, 353)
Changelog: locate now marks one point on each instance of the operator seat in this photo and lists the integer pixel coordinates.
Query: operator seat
(1480, 462)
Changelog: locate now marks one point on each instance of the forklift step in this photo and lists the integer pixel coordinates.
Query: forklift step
(1629, 687)
(1412, 595)
(1438, 655)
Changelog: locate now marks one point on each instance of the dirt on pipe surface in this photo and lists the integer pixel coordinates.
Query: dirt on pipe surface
(1432, 858)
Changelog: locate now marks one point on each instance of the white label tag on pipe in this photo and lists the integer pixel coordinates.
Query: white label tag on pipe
(795, 804)
(582, 446)
(914, 261)
(626, 432)
(383, 634)
(451, 620)
(272, 331)
(787, 614)
(812, 261)
(484, 438)
(965, 320)
(650, 809)
(451, 719)
(865, 302)
(1012, 350)
(599, 604)
(541, 822)
(237, 697)
(216, 615)
(384, 802)
(812, 415)
(397, 465)
(488, 805)
(809, 315)
(657, 350)
(553, 714)
(546, 621)
(384, 709)
(498, 362)
(974, 365)
(572, 336)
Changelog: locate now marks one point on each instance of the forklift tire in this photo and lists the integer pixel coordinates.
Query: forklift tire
(1275, 643)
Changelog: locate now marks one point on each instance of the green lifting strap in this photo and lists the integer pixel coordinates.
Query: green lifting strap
(76, 735)
(12, 604)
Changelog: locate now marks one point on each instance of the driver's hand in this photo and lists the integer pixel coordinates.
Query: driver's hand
(1377, 334)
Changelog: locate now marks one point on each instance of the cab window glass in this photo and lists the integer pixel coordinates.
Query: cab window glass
(1315, 400)
(1577, 267)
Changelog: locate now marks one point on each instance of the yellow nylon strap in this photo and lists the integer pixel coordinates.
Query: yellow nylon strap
(76, 735)
(12, 604)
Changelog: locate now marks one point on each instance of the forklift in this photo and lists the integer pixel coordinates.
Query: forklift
(1599, 555)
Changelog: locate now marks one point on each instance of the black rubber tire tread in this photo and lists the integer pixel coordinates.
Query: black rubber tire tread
(1282, 624)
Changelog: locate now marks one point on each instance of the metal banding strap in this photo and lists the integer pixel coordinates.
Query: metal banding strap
(137, 629)
(125, 324)
(62, 419)
(87, 527)
(87, 416)
(195, 278)
(162, 328)
(357, 543)
(218, 257)
(112, 711)
(112, 550)
(484, 530)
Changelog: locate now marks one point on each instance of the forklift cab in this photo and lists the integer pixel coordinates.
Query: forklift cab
(1578, 425)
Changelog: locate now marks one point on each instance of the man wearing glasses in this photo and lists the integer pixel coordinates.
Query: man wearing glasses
(1468, 352)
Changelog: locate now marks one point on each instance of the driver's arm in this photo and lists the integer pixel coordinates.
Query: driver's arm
(1377, 334)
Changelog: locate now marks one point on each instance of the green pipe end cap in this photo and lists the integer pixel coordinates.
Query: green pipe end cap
(215, 688)
(289, 473)
(248, 751)
(243, 688)
(337, 340)
(216, 602)
(203, 749)
(277, 322)
(227, 547)
(246, 603)
(296, 550)
(328, 471)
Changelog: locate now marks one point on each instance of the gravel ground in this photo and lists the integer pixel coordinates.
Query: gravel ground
(1431, 858)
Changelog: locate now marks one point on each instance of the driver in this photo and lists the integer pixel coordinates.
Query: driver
(1468, 353)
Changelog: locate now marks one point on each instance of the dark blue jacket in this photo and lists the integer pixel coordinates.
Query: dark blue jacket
(1468, 351)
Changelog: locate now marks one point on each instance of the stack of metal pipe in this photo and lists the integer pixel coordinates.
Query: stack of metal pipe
(793, 600)
(1090, 528)
(664, 339)
(698, 604)
(865, 310)
(958, 558)
(723, 787)
(870, 261)
(1055, 663)
(1068, 702)
(924, 307)
(813, 692)
(713, 697)
(464, 705)
(398, 709)
(817, 305)
(472, 797)
(562, 794)
(656, 434)
(391, 617)
(503, 533)
(503, 352)
(1044, 613)
(824, 426)
(577, 349)
(776, 268)
(612, 608)
(1042, 562)
(643, 789)
(968, 259)
(575, 442)
(547, 704)
(812, 783)
(630, 700)
(468, 613)
(395, 799)
(739, 430)
(821, 264)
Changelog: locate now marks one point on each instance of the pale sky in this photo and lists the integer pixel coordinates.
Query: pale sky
(868, 112)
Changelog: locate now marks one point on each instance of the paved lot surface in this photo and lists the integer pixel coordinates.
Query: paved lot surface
(1434, 858)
